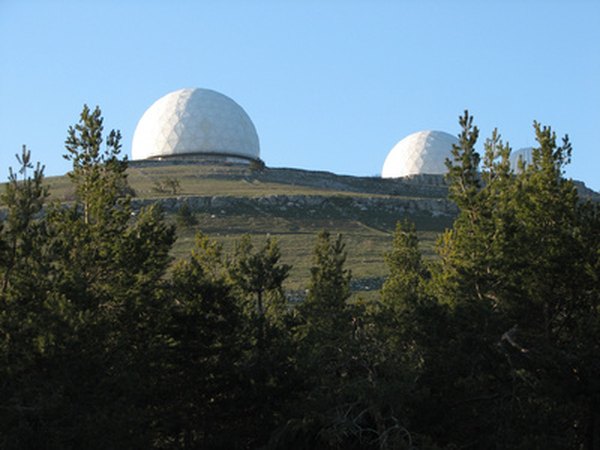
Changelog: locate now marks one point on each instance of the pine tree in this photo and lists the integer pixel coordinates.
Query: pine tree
(99, 174)
(514, 272)
(260, 273)
(329, 286)
(324, 335)
(407, 270)
(84, 317)
(25, 306)
(24, 200)
(202, 383)
(269, 367)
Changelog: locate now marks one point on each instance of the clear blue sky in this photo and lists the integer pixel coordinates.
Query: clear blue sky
(330, 85)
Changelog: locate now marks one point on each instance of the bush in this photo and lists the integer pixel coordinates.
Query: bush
(186, 216)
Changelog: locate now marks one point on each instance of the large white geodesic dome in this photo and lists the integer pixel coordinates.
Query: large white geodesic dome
(423, 152)
(195, 122)
(525, 154)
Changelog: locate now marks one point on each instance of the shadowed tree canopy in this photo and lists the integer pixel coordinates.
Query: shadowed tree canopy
(106, 342)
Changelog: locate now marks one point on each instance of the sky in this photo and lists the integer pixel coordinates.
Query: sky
(330, 85)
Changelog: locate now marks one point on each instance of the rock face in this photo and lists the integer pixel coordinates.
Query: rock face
(412, 186)
(416, 185)
(343, 196)
(421, 186)
(303, 205)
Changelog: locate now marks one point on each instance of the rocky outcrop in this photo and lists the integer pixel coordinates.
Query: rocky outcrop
(413, 186)
(306, 205)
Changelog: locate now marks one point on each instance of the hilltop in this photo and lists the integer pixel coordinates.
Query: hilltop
(229, 200)
(291, 205)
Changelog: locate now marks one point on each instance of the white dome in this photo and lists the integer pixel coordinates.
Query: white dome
(526, 154)
(195, 122)
(420, 152)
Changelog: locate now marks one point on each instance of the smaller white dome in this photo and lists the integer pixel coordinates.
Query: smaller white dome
(526, 154)
(423, 152)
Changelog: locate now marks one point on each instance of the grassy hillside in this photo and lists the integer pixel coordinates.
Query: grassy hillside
(367, 237)
(367, 232)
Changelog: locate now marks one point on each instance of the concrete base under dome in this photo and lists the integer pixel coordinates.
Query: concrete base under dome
(201, 158)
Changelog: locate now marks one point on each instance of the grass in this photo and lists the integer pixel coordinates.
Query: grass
(367, 234)
(365, 245)
(202, 180)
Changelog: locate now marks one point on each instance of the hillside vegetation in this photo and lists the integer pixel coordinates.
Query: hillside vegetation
(107, 343)
(236, 202)
(240, 204)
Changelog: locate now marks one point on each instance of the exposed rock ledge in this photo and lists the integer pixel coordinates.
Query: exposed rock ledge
(295, 205)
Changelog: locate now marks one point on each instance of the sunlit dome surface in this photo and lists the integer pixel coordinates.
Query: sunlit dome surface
(423, 152)
(193, 122)
(526, 154)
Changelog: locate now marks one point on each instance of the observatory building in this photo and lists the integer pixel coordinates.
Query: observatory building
(525, 154)
(195, 124)
(423, 152)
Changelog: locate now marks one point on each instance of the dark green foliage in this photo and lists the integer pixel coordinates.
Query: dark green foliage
(356, 375)
(464, 166)
(185, 215)
(21, 230)
(269, 370)
(81, 327)
(329, 281)
(260, 273)
(98, 175)
(201, 378)
(169, 185)
(327, 319)
(407, 270)
(324, 334)
(105, 344)
(514, 276)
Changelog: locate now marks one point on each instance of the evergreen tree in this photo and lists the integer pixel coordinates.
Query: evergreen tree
(186, 216)
(260, 274)
(329, 286)
(202, 385)
(24, 200)
(407, 270)
(25, 312)
(268, 363)
(495, 344)
(81, 373)
(99, 174)
(324, 334)
(513, 273)
(406, 325)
